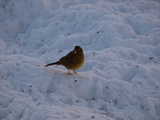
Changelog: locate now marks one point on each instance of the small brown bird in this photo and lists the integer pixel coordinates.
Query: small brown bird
(72, 61)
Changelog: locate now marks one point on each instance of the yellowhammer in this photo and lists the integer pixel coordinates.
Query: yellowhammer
(72, 61)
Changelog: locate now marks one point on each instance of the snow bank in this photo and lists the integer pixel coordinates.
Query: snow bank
(119, 80)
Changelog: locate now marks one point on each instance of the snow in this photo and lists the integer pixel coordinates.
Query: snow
(120, 79)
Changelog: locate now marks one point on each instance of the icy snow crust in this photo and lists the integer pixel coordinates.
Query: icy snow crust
(120, 79)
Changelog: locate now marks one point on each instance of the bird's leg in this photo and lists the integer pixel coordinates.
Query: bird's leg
(69, 72)
(75, 72)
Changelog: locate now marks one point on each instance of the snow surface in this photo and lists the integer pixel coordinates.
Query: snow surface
(120, 79)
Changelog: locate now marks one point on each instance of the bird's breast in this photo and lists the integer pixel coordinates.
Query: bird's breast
(79, 62)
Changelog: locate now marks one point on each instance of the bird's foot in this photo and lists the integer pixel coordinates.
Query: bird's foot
(75, 72)
(69, 72)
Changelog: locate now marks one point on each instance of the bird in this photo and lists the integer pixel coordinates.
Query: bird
(72, 61)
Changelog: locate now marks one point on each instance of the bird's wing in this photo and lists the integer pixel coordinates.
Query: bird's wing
(69, 58)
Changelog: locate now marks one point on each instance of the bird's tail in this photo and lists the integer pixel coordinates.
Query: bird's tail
(55, 63)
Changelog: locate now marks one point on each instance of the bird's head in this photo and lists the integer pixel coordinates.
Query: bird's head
(78, 49)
